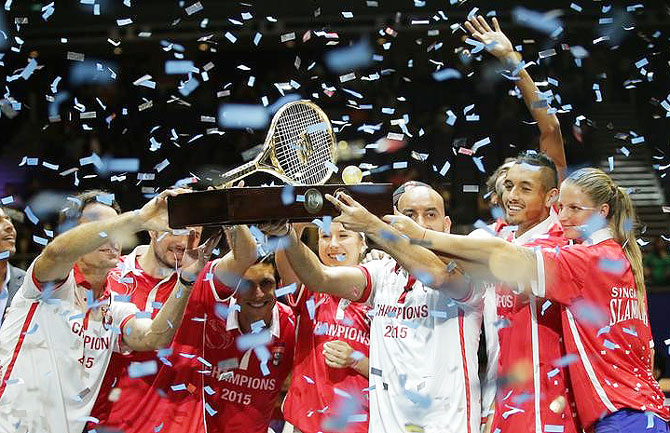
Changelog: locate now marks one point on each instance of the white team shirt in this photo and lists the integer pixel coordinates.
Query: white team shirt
(53, 356)
(490, 317)
(423, 355)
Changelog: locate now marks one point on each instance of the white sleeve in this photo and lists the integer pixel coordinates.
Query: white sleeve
(121, 312)
(33, 289)
(376, 269)
(492, 349)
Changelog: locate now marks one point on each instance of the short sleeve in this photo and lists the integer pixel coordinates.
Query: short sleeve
(490, 317)
(32, 288)
(222, 291)
(297, 299)
(121, 312)
(561, 273)
(374, 271)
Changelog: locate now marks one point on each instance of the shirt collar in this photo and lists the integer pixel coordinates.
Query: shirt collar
(599, 236)
(129, 264)
(5, 284)
(232, 321)
(537, 230)
(80, 280)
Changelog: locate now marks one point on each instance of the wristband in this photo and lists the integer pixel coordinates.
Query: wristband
(185, 282)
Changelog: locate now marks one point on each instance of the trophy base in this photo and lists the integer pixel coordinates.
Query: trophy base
(251, 205)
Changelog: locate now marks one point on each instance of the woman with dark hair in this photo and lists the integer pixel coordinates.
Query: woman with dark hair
(600, 281)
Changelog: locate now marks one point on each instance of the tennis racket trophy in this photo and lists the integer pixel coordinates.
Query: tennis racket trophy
(299, 149)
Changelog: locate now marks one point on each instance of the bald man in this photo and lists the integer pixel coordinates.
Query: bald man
(426, 322)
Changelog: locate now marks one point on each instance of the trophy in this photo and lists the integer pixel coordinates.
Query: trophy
(299, 149)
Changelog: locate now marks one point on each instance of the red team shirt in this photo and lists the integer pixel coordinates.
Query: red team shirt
(148, 294)
(312, 396)
(605, 330)
(205, 378)
(530, 338)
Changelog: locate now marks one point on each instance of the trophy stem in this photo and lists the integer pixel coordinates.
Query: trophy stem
(238, 173)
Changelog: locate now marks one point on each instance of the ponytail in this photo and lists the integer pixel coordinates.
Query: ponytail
(623, 222)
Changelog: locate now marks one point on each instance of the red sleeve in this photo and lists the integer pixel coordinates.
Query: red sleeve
(297, 299)
(365, 297)
(561, 273)
(40, 285)
(208, 279)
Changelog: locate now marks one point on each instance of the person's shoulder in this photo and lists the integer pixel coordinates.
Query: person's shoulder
(287, 323)
(379, 263)
(18, 272)
(285, 312)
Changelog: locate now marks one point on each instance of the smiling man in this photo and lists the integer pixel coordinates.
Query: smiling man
(11, 277)
(541, 391)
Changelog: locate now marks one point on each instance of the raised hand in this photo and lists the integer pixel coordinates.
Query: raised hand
(375, 255)
(153, 215)
(405, 225)
(196, 257)
(275, 228)
(495, 40)
(354, 216)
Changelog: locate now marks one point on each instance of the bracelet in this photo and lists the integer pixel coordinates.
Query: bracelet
(185, 282)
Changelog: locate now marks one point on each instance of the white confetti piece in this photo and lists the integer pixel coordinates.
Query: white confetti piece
(287, 37)
(162, 165)
(231, 37)
(445, 168)
(179, 67)
(78, 57)
(239, 116)
(347, 77)
(141, 369)
(194, 8)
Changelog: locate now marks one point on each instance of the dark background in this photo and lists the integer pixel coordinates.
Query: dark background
(121, 130)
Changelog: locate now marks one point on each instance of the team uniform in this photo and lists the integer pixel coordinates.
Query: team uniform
(606, 331)
(490, 323)
(423, 354)
(148, 294)
(205, 383)
(315, 391)
(530, 338)
(54, 351)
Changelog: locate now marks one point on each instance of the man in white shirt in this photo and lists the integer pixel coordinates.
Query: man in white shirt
(426, 320)
(10, 276)
(60, 332)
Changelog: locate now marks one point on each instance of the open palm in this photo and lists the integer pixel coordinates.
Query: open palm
(495, 40)
(196, 257)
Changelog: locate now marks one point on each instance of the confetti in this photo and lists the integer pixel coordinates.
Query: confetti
(446, 74)
(566, 360)
(249, 341)
(239, 116)
(286, 290)
(179, 67)
(141, 369)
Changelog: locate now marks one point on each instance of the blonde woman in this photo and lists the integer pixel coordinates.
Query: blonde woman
(600, 281)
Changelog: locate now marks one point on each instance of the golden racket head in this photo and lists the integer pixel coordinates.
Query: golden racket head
(302, 144)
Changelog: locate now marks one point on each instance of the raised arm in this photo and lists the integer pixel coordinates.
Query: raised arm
(499, 45)
(342, 281)
(142, 334)
(57, 259)
(241, 256)
(507, 262)
(417, 260)
(286, 272)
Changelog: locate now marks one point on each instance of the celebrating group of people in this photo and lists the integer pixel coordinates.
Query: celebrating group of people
(165, 339)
